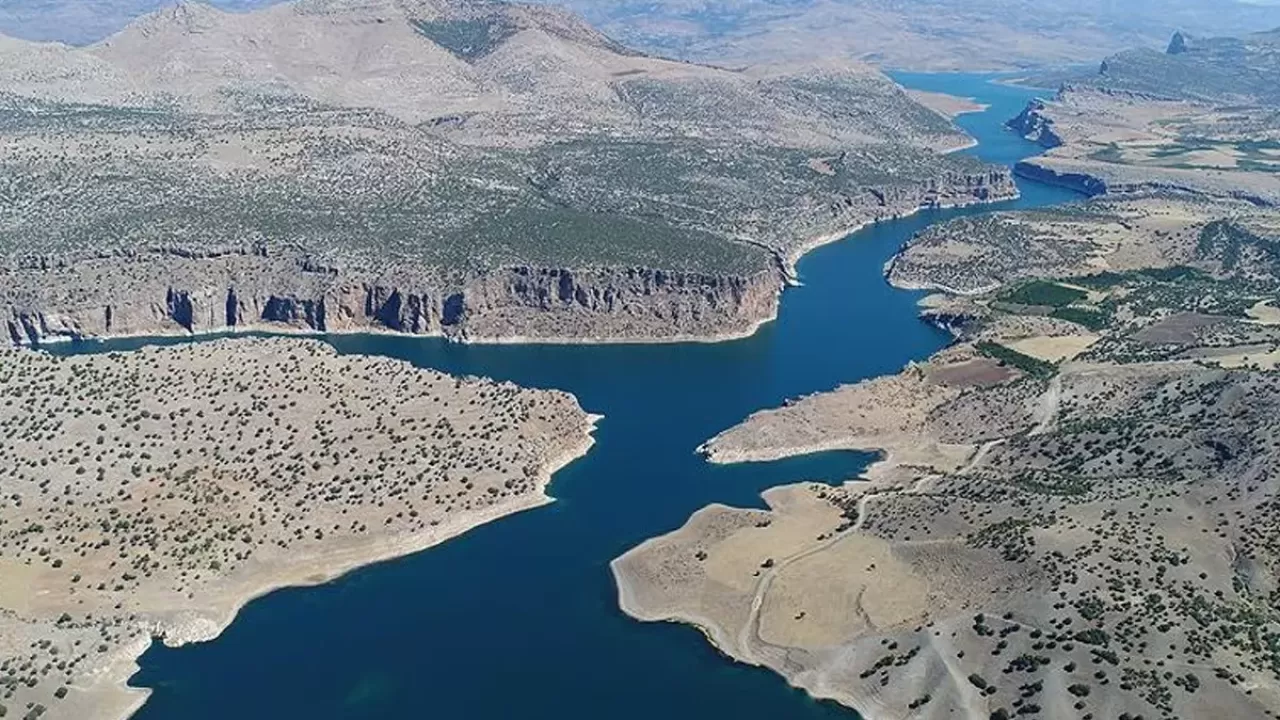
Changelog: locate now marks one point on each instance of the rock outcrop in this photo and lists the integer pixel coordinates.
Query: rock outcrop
(1081, 182)
(1035, 126)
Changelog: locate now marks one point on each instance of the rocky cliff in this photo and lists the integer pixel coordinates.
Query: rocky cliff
(1081, 182)
(1092, 178)
(167, 291)
(873, 203)
(1035, 126)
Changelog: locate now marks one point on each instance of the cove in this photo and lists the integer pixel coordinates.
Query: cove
(518, 618)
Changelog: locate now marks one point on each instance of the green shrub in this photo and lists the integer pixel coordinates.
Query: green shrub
(1092, 319)
(1043, 292)
(1009, 356)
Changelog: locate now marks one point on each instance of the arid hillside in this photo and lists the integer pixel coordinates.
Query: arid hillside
(479, 170)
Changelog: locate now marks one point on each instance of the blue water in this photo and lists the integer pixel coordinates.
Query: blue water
(518, 618)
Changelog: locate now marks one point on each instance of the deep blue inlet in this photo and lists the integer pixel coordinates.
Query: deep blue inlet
(518, 618)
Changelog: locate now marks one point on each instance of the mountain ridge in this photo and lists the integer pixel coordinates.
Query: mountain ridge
(456, 157)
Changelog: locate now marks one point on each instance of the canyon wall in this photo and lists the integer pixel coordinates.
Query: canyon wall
(167, 291)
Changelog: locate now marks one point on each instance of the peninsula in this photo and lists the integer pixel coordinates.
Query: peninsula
(153, 493)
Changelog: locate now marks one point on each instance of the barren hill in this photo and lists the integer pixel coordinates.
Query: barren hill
(448, 63)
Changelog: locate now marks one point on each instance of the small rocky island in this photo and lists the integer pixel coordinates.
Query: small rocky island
(153, 493)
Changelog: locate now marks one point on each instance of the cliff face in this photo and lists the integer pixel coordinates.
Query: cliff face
(955, 189)
(832, 215)
(166, 292)
(1096, 178)
(1035, 126)
(1081, 182)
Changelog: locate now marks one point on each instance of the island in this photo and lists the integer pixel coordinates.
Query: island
(151, 494)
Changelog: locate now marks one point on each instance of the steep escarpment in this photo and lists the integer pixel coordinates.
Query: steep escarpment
(1091, 178)
(481, 171)
(1081, 182)
(1196, 120)
(1122, 145)
(837, 215)
(1034, 125)
(587, 241)
(166, 291)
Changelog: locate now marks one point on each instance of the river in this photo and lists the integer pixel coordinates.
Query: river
(518, 618)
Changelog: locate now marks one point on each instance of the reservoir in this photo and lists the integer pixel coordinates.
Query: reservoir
(518, 618)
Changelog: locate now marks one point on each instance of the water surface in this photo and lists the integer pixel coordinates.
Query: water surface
(518, 618)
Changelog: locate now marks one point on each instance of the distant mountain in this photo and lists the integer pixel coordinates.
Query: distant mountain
(482, 72)
(919, 34)
(924, 34)
(1219, 70)
(80, 22)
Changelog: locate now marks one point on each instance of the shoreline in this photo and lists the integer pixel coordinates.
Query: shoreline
(709, 630)
(848, 700)
(797, 253)
(283, 330)
(746, 647)
(203, 629)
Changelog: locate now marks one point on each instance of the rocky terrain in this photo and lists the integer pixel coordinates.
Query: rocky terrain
(482, 171)
(1074, 513)
(976, 254)
(120, 520)
(1199, 118)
